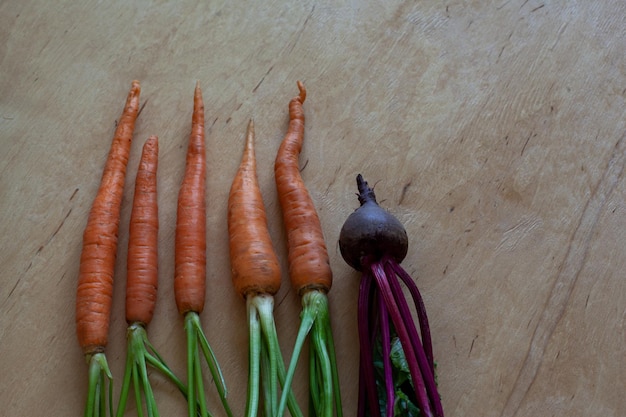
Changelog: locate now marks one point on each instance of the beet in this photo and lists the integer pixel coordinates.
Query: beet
(371, 231)
(396, 361)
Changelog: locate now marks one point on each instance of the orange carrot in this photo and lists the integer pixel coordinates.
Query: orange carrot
(141, 288)
(97, 262)
(309, 269)
(142, 275)
(190, 266)
(190, 250)
(309, 266)
(256, 277)
(255, 267)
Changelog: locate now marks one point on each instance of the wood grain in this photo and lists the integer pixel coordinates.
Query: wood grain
(493, 130)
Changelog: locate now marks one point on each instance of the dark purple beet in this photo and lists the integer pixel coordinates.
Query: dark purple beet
(370, 231)
(375, 242)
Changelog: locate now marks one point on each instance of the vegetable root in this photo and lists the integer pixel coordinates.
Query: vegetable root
(97, 262)
(309, 271)
(190, 266)
(141, 286)
(375, 242)
(256, 277)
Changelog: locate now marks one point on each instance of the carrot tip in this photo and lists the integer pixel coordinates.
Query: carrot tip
(302, 95)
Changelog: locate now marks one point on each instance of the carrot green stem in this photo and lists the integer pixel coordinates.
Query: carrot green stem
(306, 322)
(266, 369)
(99, 375)
(292, 404)
(265, 307)
(320, 373)
(266, 366)
(141, 353)
(323, 375)
(197, 343)
(254, 358)
(266, 389)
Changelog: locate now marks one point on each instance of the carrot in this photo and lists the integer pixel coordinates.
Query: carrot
(97, 261)
(254, 263)
(309, 266)
(309, 270)
(142, 269)
(141, 285)
(190, 252)
(256, 277)
(190, 264)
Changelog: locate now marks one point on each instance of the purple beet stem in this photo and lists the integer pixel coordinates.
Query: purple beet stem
(425, 363)
(381, 297)
(420, 307)
(366, 369)
(385, 334)
(412, 357)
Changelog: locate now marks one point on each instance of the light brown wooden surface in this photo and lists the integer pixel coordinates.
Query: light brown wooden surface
(493, 130)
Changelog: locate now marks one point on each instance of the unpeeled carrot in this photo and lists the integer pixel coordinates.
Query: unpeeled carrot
(97, 261)
(141, 286)
(256, 277)
(142, 266)
(190, 265)
(309, 270)
(309, 266)
(254, 264)
(190, 246)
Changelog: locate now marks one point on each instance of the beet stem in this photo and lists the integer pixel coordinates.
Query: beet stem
(382, 280)
(426, 368)
(420, 308)
(365, 346)
(385, 337)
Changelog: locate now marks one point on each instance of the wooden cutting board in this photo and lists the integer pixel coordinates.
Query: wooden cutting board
(493, 130)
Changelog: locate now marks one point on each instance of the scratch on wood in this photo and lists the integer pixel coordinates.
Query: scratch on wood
(559, 34)
(62, 277)
(305, 164)
(502, 5)
(472, 346)
(283, 298)
(404, 190)
(262, 79)
(142, 107)
(537, 8)
(568, 274)
(526, 143)
(299, 34)
(13, 289)
(56, 230)
(332, 181)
